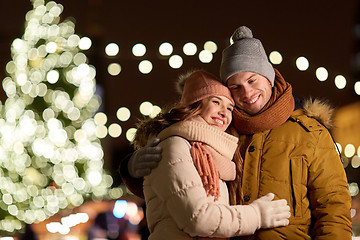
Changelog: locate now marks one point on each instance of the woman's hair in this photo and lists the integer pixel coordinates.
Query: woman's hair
(149, 127)
(235, 190)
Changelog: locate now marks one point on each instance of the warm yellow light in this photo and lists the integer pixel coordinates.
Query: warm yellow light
(116, 193)
(190, 49)
(73, 40)
(357, 88)
(48, 114)
(48, 130)
(100, 118)
(145, 66)
(166, 49)
(205, 56)
(79, 59)
(349, 150)
(355, 162)
(66, 58)
(353, 189)
(101, 131)
(210, 46)
(10, 67)
(85, 43)
(94, 177)
(114, 69)
(155, 111)
(146, 108)
(175, 61)
(112, 49)
(302, 63)
(115, 130)
(322, 74)
(52, 76)
(340, 81)
(7, 199)
(51, 47)
(130, 134)
(275, 57)
(123, 114)
(139, 50)
(21, 79)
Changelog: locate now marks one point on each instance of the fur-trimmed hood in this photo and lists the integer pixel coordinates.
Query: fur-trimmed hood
(320, 110)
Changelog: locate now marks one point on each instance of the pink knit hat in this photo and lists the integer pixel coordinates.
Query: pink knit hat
(200, 85)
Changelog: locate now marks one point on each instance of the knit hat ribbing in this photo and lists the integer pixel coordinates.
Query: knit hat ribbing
(245, 54)
(200, 85)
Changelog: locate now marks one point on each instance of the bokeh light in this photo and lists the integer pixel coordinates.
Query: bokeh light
(123, 114)
(175, 61)
(322, 74)
(349, 150)
(145, 66)
(166, 49)
(190, 49)
(155, 111)
(340, 81)
(139, 50)
(210, 46)
(146, 108)
(47, 126)
(130, 134)
(112, 49)
(115, 130)
(357, 87)
(205, 56)
(114, 69)
(302, 63)
(275, 57)
(85, 43)
(355, 161)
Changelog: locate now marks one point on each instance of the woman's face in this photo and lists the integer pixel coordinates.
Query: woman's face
(217, 111)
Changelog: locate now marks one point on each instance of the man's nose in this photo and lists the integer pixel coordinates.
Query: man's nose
(246, 92)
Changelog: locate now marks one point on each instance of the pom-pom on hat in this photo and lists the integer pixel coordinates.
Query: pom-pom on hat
(199, 85)
(245, 54)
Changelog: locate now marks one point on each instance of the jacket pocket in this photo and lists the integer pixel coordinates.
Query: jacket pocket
(298, 168)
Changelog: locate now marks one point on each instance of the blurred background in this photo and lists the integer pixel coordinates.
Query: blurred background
(132, 52)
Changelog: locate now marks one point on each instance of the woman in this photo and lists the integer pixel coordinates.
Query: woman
(186, 195)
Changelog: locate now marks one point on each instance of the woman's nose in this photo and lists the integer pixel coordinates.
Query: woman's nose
(222, 111)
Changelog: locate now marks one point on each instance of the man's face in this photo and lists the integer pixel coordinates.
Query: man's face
(251, 91)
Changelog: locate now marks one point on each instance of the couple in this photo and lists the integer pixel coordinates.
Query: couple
(280, 149)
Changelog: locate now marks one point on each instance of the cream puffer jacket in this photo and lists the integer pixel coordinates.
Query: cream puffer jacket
(177, 205)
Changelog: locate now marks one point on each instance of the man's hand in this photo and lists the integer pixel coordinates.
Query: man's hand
(145, 159)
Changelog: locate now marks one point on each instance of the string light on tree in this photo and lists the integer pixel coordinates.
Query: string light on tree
(50, 155)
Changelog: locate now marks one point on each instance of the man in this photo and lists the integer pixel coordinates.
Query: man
(285, 149)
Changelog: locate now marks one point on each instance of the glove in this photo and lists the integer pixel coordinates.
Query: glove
(271, 213)
(145, 159)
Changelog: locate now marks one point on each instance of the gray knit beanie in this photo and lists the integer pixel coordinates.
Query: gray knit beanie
(245, 54)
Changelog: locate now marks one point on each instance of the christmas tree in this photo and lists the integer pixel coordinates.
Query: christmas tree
(50, 155)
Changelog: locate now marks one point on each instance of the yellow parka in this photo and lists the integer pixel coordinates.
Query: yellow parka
(298, 162)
